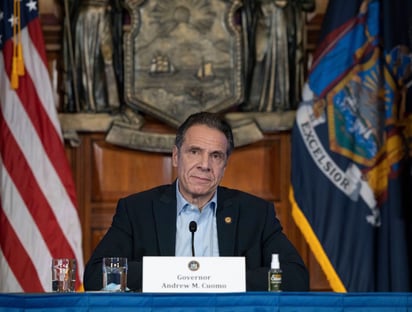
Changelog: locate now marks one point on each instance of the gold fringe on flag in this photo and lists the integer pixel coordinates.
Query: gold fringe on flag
(14, 76)
(17, 61)
(303, 224)
(20, 61)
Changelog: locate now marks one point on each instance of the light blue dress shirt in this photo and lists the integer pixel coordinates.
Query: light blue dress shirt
(205, 237)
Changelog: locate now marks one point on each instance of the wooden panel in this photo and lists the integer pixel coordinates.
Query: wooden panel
(318, 281)
(255, 169)
(119, 172)
(100, 221)
(97, 235)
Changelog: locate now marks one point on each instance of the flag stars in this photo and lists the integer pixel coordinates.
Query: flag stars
(32, 5)
(13, 20)
(1, 15)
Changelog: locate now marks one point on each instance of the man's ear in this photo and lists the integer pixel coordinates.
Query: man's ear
(175, 155)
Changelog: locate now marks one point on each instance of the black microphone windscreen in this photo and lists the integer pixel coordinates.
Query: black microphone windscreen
(192, 226)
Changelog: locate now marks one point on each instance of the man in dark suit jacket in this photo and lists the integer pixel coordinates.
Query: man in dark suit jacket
(145, 224)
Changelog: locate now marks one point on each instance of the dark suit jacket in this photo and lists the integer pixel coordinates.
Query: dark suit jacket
(145, 225)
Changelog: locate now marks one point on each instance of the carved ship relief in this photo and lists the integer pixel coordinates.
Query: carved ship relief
(182, 56)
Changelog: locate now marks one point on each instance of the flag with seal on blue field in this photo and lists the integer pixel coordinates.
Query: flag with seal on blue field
(351, 147)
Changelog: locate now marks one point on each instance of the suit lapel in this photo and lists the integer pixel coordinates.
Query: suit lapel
(226, 220)
(164, 209)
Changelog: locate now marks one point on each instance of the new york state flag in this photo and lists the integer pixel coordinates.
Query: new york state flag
(351, 147)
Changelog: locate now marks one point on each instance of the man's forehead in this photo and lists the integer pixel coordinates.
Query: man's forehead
(205, 137)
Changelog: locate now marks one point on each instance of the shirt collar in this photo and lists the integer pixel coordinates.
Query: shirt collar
(182, 203)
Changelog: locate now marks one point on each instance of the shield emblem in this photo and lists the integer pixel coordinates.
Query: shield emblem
(182, 57)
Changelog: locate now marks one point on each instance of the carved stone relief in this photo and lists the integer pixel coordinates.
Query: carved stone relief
(182, 57)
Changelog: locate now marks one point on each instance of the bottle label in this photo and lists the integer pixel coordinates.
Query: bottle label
(275, 281)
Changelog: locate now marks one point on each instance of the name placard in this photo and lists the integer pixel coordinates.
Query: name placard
(194, 274)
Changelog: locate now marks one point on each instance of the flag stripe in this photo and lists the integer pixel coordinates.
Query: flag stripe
(36, 67)
(6, 274)
(18, 259)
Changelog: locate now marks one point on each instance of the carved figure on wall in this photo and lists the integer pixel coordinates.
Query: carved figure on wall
(276, 68)
(96, 74)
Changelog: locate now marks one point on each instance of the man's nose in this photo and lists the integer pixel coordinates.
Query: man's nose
(204, 161)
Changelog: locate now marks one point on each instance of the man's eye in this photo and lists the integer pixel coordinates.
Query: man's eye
(217, 156)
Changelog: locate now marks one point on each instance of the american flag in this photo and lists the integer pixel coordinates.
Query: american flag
(38, 206)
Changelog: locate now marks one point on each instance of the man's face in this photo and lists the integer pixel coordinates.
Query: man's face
(200, 163)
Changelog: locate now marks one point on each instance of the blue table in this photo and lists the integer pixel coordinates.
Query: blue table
(250, 301)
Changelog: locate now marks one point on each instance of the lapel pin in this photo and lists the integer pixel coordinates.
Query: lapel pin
(228, 220)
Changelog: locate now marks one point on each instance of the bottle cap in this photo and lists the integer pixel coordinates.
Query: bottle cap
(275, 262)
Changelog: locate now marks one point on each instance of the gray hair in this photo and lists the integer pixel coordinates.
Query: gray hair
(212, 120)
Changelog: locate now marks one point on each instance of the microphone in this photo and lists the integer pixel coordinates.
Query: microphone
(192, 229)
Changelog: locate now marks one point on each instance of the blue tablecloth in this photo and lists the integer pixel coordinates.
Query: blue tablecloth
(250, 301)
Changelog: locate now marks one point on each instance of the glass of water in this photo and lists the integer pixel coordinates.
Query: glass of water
(63, 275)
(114, 274)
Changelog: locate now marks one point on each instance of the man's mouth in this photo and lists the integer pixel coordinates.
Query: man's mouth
(201, 179)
